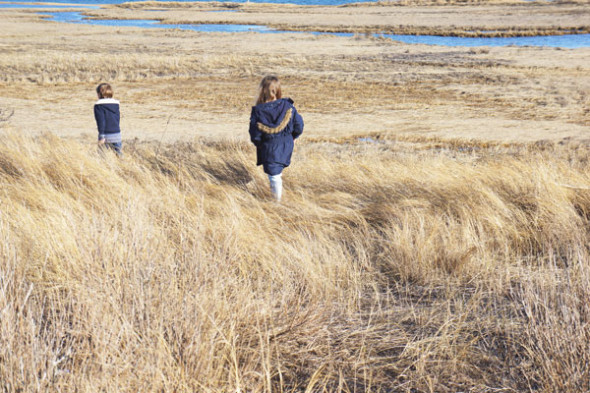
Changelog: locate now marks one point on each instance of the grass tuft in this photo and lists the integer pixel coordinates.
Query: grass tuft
(389, 267)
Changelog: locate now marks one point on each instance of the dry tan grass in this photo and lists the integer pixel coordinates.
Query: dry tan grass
(466, 31)
(444, 18)
(406, 264)
(396, 263)
(347, 85)
(327, 85)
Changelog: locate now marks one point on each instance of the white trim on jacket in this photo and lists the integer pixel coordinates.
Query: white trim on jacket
(107, 101)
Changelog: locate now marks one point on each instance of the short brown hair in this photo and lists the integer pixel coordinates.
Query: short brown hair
(104, 90)
(270, 89)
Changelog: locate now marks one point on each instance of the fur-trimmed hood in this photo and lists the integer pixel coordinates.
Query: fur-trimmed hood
(273, 117)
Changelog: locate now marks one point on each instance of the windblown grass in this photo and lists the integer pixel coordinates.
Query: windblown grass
(400, 265)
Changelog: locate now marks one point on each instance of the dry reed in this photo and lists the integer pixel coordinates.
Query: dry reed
(420, 266)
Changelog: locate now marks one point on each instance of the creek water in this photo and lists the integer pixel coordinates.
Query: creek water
(561, 41)
(77, 17)
(301, 2)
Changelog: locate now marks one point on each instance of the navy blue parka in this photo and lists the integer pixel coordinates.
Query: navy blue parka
(107, 115)
(273, 128)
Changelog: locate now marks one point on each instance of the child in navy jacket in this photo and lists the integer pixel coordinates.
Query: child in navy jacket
(107, 115)
(274, 125)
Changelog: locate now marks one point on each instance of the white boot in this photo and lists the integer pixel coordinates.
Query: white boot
(276, 186)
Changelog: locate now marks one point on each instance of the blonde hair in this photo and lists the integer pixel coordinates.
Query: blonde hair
(270, 89)
(104, 90)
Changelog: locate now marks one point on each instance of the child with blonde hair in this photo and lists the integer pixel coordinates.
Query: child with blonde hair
(274, 126)
(107, 115)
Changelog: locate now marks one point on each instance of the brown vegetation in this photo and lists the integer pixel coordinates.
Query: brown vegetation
(445, 18)
(392, 265)
(345, 85)
(403, 259)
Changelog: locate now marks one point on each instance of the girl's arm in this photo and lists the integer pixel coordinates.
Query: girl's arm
(297, 124)
(255, 133)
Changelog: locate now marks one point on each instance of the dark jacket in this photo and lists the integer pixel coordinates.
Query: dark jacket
(273, 128)
(106, 113)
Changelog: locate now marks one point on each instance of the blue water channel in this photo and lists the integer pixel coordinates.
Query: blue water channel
(301, 2)
(77, 17)
(28, 6)
(557, 41)
(562, 41)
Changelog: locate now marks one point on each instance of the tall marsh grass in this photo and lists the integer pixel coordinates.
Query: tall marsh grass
(390, 266)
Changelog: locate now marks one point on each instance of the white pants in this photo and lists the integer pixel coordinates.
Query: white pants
(276, 186)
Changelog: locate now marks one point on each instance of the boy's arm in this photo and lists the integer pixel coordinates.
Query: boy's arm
(100, 121)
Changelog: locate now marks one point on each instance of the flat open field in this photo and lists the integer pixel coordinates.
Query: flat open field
(180, 84)
(434, 233)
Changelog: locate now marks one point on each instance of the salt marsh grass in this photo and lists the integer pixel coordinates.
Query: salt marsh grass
(393, 264)
(396, 262)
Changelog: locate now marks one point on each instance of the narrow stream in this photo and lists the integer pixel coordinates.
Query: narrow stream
(561, 41)
(77, 17)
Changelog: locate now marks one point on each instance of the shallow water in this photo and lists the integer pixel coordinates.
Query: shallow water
(77, 17)
(562, 41)
(556, 41)
(301, 2)
(7, 5)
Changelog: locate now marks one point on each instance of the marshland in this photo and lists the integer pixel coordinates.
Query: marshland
(433, 236)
